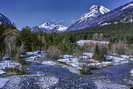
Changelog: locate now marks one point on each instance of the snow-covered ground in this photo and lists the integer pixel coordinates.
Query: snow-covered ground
(9, 64)
(49, 63)
(34, 54)
(56, 74)
(119, 59)
(2, 72)
(70, 60)
(94, 42)
(86, 59)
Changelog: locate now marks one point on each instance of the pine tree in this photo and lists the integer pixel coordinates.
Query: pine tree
(99, 54)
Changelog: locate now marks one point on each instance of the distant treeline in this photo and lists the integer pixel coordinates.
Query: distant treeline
(14, 42)
(112, 33)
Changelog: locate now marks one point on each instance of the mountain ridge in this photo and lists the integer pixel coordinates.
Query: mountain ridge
(50, 27)
(94, 12)
(122, 14)
(4, 19)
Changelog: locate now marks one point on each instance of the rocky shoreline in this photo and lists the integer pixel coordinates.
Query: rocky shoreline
(43, 76)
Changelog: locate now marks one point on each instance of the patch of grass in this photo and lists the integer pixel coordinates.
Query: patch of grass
(14, 71)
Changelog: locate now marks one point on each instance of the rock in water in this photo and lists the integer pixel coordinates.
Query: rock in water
(131, 72)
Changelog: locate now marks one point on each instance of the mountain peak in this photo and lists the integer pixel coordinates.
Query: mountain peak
(94, 11)
(51, 27)
(94, 7)
(97, 17)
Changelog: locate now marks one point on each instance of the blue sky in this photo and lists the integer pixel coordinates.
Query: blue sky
(34, 12)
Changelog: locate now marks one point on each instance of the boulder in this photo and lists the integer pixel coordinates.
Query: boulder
(131, 72)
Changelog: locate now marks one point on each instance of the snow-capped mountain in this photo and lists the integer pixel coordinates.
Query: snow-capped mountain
(4, 20)
(94, 12)
(50, 27)
(122, 14)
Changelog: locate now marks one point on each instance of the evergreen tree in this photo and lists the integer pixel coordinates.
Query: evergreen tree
(99, 54)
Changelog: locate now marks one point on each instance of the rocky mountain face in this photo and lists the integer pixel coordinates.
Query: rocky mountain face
(50, 27)
(94, 12)
(103, 16)
(4, 20)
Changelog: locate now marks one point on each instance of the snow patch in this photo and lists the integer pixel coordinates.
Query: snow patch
(83, 42)
(2, 72)
(94, 11)
(9, 64)
(49, 26)
(48, 63)
(130, 5)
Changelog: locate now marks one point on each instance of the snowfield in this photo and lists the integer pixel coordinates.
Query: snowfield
(94, 42)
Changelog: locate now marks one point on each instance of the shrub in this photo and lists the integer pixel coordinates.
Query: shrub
(53, 52)
(99, 54)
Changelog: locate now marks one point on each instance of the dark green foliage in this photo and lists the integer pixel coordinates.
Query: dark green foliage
(6, 32)
(12, 71)
(113, 33)
(42, 41)
(27, 40)
(131, 88)
(66, 42)
(87, 70)
(99, 53)
(54, 52)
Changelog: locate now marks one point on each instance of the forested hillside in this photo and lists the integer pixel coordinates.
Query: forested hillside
(113, 33)
(14, 42)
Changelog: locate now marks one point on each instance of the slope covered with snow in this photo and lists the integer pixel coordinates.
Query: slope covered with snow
(4, 20)
(100, 16)
(94, 12)
(50, 27)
